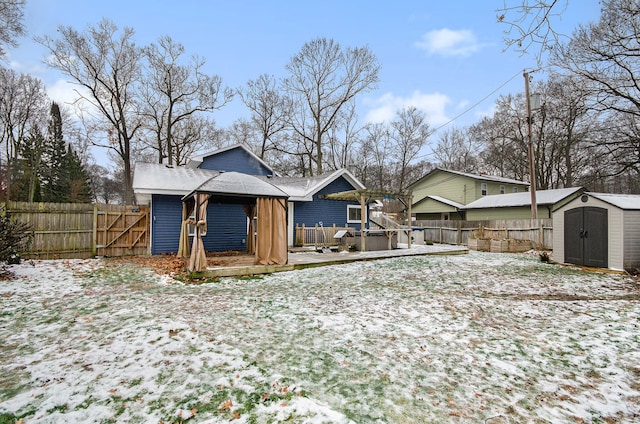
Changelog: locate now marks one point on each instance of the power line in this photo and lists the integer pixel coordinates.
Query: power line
(473, 106)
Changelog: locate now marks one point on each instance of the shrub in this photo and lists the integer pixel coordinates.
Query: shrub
(15, 237)
(544, 257)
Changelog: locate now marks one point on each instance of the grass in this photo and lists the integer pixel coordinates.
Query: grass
(440, 339)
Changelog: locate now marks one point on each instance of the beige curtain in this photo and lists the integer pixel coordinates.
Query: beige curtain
(250, 210)
(183, 248)
(271, 244)
(198, 259)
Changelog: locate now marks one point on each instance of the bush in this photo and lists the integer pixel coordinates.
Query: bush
(15, 237)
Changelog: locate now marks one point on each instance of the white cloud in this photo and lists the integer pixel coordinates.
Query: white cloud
(385, 107)
(447, 42)
(62, 91)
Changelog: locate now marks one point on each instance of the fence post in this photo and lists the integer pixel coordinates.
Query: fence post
(94, 241)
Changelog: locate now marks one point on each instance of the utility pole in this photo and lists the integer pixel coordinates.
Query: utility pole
(532, 178)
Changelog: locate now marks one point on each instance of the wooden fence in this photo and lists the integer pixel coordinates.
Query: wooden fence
(80, 230)
(539, 231)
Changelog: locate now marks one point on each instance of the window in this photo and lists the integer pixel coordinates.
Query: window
(483, 189)
(354, 214)
(501, 189)
(192, 228)
(515, 189)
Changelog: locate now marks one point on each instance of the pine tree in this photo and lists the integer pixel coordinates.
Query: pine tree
(55, 186)
(77, 178)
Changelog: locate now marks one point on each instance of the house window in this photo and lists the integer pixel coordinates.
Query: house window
(501, 189)
(354, 214)
(515, 189)
(483, 189)
(192, 228)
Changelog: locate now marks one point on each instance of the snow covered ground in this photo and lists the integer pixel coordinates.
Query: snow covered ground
(494, 338)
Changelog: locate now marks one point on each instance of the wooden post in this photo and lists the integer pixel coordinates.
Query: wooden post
(410, 200)
(362, 223)
(94, 236)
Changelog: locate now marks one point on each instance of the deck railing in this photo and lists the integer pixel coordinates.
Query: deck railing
(319, 236)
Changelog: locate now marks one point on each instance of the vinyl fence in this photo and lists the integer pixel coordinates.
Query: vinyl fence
(80, 230)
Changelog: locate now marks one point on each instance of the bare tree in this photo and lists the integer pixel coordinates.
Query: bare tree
(530, 23)
(456, 150)
(177, 93)
(343, 139)
(323, 78)
(410, 131)
(106, 67)
(11, 26)
(605, 56)
(23, 112)
(269, 109)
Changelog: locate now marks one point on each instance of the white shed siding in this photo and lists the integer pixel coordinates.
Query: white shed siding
(632, 239)
(615, 247)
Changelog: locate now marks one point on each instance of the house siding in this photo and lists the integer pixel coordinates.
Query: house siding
(632, 239)
(166, 222)
(238, 160)
(522, 212)
(226, 226)
(328, 211)
(458, 188)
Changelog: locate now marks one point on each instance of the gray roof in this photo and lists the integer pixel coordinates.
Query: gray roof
(156, 178)
(238, 184)
(444, 201)
(543, 197)
(303, 188)
(479, 177)
(623, 201)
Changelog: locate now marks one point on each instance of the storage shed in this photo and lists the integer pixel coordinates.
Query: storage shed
(599, 230)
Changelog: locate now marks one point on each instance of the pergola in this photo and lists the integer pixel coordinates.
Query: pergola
(368, 196)
(258, 197)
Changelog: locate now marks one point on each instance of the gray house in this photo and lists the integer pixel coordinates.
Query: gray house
(598, 230)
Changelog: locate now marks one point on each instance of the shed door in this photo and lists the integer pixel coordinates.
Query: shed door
(586, 237)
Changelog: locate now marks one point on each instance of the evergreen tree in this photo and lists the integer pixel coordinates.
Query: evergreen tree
(55, 186)
(77, 179)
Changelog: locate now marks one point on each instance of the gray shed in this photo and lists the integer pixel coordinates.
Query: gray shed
(598, 230)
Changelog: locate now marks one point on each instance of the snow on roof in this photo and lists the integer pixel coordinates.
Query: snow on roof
(445, 201)
(303, 188)
(543, 197)
(156, 178)
(475, 177)
(238, 184)
(623, 201)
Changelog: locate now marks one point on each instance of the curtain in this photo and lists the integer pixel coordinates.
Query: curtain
(250, 210)
(183, 247)
(198, 259)
(271, 245)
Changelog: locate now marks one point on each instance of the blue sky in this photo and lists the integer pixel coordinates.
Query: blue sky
(440, 56)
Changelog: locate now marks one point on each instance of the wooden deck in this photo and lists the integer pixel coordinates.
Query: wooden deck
(312, 258)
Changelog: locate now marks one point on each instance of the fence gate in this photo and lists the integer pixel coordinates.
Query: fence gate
(122, 230)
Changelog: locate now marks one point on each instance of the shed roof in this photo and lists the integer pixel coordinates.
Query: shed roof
(543, 197)
(622, 201)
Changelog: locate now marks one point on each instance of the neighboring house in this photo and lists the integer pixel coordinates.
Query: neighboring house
(518, 205)
(599, 230)
(162, 188)
(441, 193)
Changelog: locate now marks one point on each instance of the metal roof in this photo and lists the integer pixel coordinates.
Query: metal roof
(623, 201)
(157, 178)
(543, 197)
(479, 177)
(238, 184)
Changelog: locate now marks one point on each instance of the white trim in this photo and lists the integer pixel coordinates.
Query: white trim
(356, 221)
(290, 224)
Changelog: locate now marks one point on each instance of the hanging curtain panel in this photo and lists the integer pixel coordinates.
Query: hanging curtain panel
(198, 259)
(271, 244)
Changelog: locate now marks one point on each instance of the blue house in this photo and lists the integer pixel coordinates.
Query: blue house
(162, 188)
